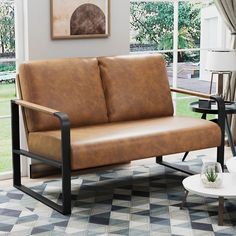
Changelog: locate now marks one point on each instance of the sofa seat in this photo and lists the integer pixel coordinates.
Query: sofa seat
(113, 143)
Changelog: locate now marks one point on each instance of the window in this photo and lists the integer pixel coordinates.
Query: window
(152, 25)
(7, 79)
(183, 31)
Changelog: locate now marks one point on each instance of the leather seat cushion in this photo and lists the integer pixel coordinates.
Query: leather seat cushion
(72, 86)
(136, 87)
(119, 142)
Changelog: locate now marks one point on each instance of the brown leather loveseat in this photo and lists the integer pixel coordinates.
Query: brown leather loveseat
(88, 112)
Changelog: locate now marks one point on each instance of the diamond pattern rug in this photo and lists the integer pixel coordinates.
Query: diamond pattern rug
(125, 200)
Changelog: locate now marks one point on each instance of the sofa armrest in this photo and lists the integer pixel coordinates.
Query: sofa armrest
(64, 165)
(35, 107)
(64, 126)
(221, 111)
(219, 100)
(192, 93)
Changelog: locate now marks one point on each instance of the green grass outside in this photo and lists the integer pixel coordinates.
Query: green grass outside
(5, 109)
(5, 145)
(183, 107)
(7, 92)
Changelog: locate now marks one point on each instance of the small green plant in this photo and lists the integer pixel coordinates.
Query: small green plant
(211, 175)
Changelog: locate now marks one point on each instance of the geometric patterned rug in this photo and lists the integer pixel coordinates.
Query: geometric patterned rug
(125, 200)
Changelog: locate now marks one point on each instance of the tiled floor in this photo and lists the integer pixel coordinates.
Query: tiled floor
(141, 198)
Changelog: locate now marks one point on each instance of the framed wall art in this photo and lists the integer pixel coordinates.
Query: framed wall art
(79, 19)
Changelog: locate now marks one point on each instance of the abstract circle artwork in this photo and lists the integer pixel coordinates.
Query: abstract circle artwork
(87, 19)
(79, 19)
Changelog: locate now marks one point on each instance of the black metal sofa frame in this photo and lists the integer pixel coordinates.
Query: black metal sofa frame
(64, 164)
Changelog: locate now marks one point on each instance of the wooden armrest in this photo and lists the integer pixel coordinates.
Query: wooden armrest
(35, 107)
(184, 91)
(221, 117)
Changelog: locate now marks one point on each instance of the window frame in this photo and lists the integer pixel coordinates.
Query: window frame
(175, 49)
(20, 20)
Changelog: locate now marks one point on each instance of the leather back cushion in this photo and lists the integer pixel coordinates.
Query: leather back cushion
(72, 86)
(136, 87)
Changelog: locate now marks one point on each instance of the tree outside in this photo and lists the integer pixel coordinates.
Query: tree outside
(7, 27)
(152, 29)
(7, 35)
(152, 26)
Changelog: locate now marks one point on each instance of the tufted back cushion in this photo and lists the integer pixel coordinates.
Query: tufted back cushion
(136, 87)
(72, 86)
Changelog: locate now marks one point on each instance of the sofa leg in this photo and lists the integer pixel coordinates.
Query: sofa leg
(15, 145)
(65, 208)
(66, 164)
(66, 192)
(159, 159)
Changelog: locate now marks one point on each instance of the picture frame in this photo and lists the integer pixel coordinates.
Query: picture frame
(78, 19)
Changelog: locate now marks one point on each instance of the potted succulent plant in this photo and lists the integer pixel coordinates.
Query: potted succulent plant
(211, 175)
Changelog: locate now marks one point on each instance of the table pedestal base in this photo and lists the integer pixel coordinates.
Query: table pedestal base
(221, 211)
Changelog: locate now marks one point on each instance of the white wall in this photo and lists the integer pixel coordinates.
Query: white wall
(40, 46)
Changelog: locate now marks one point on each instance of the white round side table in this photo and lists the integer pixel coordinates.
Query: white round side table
(194, 185)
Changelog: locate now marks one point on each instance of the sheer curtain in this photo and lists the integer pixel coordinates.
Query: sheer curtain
(227, 9)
